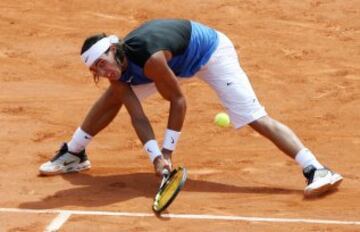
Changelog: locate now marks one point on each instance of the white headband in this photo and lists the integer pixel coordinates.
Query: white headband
(97, 49)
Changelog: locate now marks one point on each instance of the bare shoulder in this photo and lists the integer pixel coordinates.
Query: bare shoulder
(157, 65)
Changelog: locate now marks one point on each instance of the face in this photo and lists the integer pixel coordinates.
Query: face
(106, 66)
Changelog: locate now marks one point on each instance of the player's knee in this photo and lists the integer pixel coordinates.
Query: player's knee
(265, 121)
(264, 125)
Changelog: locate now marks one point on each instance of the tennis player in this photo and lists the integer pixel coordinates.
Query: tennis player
(154, 57)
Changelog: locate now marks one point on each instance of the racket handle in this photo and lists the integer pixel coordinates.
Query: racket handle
(165, 173)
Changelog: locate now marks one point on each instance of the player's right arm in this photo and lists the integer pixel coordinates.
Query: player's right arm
(124, 93)
(108, 105)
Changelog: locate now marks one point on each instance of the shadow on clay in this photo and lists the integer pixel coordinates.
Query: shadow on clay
(93, 191)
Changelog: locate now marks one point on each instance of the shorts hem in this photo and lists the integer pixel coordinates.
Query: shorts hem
(255, 116)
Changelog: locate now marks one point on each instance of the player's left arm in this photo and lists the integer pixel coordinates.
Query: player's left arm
(157, 69)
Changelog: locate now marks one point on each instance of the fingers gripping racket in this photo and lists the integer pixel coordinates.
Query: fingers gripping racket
(171, 185)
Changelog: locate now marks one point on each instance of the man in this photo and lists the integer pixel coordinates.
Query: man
(152, 57)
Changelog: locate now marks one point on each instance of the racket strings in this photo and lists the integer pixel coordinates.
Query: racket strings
(169, 189)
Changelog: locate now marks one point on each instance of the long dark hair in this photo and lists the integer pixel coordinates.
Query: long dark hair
(119, 54)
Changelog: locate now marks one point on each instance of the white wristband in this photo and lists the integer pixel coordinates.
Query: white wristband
(171, 138)
(152, 148)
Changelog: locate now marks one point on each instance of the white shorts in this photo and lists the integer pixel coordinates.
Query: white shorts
(224, 75)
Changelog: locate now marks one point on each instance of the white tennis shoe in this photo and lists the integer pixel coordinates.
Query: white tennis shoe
(320, 181)
(65, 161)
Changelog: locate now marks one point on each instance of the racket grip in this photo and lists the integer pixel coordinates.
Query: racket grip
(165, 172)
(165, 176)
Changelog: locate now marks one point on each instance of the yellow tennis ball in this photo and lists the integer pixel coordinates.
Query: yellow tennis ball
(222, 119)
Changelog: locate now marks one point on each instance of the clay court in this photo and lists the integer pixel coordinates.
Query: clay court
(302, 58)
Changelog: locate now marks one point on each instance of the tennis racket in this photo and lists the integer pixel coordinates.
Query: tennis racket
(170, 186)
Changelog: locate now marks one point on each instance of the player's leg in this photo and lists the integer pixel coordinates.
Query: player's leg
(320, 179)
(72, 157)
(224, 74)
(101, 114)
(281, 135)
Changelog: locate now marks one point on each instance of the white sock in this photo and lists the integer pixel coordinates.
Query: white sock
(79, 141)
(305, 158)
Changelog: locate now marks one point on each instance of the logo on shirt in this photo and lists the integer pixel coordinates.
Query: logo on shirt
(130, 79)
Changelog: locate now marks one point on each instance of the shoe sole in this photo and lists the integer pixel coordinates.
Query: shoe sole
(80, 167)
(335, 181)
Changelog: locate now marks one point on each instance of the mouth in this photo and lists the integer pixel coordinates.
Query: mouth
(112, 75)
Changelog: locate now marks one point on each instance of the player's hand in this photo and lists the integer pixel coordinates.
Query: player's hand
(167, 155)
(160, 163)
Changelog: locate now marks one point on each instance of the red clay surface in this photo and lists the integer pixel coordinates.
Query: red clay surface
(302, 58)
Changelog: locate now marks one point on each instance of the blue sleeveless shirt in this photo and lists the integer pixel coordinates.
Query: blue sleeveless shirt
(201, 45)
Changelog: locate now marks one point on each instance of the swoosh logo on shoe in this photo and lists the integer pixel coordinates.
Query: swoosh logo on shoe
(68, 163)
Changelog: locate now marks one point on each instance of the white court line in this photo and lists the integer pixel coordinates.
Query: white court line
(182, 216)
(56, 224)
